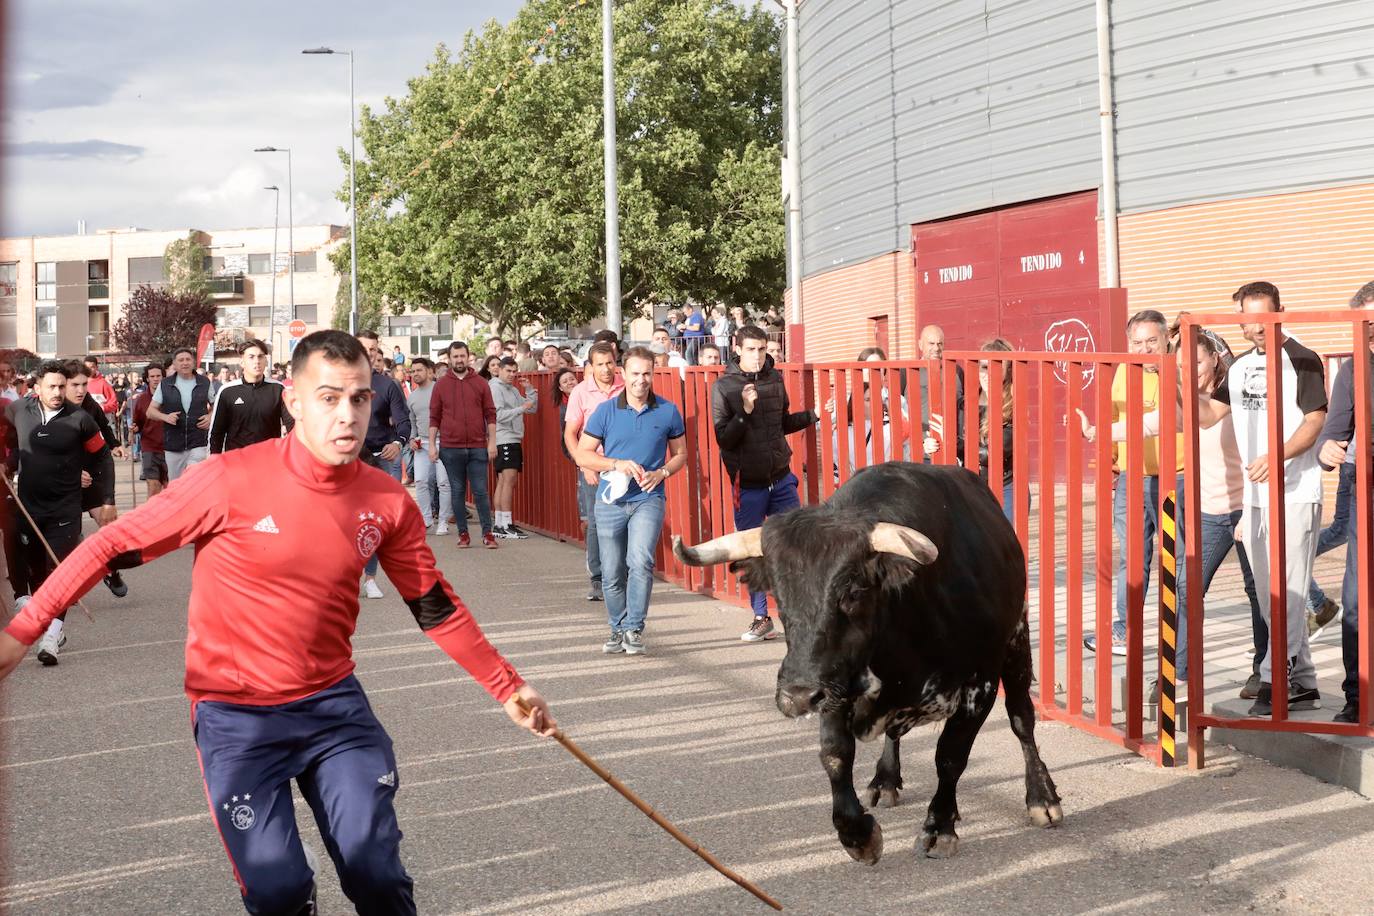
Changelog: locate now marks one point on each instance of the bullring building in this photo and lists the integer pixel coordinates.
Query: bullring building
(956, 168)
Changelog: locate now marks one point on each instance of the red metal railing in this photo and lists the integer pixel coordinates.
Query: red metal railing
(1062, 491)
(1359, 322)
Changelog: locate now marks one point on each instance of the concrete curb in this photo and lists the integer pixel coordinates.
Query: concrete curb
(1336, 759)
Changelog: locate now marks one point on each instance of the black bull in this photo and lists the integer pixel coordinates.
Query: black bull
(903, 601)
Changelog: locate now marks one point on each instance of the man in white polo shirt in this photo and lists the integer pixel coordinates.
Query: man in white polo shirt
(1244, 395)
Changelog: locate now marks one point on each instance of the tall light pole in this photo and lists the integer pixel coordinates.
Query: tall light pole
(612, 188)
(352, 195)
(794, 199)
(276, 226)
(290, 240)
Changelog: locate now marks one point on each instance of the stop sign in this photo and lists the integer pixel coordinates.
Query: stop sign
(296, 328)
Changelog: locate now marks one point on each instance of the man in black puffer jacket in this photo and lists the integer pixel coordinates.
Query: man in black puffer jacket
(750, 409)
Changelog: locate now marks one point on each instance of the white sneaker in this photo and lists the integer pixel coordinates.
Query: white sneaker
(442, 529)
(371, 590)
(49, 646)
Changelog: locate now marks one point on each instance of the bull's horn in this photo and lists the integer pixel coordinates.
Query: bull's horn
(740, 545)
(904, 542)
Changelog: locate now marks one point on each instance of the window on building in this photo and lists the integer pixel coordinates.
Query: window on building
(305, 262)
(221, 318)
(9, 331)
(46, 320)
(259, 263)
(260, 316)
(46, 278)
(307, 313)
(214, 266)
(98, 279)
(98, 327)
(9, 289)
(445, 326)
(145, 271)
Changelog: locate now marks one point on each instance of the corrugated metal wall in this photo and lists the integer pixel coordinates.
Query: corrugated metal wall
(916, 111)
(1239, 98)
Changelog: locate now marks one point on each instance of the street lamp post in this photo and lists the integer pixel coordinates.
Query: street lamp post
(352, 194)
(276, 227)
(613, 320)
(290, 241)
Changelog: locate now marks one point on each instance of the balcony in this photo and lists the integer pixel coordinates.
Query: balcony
(230, 287)
(98, 289)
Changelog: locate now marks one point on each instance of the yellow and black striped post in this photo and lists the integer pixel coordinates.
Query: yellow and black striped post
(1168, 632)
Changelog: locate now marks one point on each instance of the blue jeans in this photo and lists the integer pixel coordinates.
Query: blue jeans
(1151, 526)
(1336, 533)
(752, 506)
(393, 468)
(1218, 537)
(628, 534)
(467, 467)
(586, 510)
(1350, 617)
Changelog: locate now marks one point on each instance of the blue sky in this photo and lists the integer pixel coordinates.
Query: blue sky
(143, 113)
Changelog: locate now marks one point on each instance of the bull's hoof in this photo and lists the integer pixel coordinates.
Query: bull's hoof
(884, 797)
(868, 852)
(1042, 815)
(940, 845)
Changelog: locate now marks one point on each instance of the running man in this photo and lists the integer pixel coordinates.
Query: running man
(182, 402)
(52, 443)
(98, 493)
(154, 461)
(287, 525)
(250, 410)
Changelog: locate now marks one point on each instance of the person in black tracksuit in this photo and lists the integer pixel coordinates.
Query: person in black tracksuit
(252, 410)
(99, 498)
(752, 417)
(50, 443)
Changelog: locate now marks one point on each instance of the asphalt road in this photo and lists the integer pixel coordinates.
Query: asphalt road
(104, 811)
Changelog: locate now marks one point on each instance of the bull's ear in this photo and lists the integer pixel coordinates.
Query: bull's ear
(890, 571)
(753, 572)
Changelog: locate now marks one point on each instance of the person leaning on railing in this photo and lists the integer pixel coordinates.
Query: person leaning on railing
(1221, 484)
(1003, 400)
(1147, 333)
(1335, 451)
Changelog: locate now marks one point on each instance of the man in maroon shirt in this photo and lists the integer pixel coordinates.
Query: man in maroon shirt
(150, 433)
(282, 530)
(462, 417)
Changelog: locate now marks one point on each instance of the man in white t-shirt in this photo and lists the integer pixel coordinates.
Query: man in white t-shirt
(1244, 395)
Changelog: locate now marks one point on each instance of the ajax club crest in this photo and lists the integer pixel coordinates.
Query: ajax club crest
(369, 536)
(241, 815)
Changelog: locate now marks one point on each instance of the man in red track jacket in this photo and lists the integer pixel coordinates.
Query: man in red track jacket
(100, 388)
(282, 530)
(462, 416)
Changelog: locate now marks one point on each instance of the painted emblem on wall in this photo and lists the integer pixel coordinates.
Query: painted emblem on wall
(1071, 336)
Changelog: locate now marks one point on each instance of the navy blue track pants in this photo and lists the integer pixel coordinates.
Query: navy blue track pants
(332, 745)
(752, 506)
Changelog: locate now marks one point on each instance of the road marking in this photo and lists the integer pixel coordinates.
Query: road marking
(113, 750)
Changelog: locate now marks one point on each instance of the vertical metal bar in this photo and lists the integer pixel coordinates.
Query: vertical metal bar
(1047, 534)
(1103, 593)
(949, 412)
(1192, 510)
(996, 427)
(828, 394)
(1073, 543)
(971, 393)
(843, 423)
(897, 409)
(1278, 547)
(1020, 432)
(863, 432)
(1134, 479)
(613, 319)
(1168, 538)
(1364, 500)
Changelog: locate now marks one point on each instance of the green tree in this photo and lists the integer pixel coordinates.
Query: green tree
(183, 266)
(505, 223)
(369, 310)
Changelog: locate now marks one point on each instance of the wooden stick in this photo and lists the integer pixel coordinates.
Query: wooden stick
(653, 815)
(44, 541)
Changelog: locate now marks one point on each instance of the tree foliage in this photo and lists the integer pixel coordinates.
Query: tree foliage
(369, 309)
(506, 223)
(157, 320)
(183, 266)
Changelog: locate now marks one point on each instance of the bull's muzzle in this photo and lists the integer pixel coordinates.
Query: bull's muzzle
(797, 700)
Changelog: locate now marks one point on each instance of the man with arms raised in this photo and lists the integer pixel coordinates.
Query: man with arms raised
(282, 530)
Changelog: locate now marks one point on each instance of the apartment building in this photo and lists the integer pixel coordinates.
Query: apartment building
(60, 295)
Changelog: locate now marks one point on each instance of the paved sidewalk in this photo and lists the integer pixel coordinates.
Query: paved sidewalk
(104, 810)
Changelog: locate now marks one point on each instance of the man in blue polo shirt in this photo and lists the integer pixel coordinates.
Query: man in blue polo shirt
(636, 431)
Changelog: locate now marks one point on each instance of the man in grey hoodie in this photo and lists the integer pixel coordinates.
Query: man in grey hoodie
(511, 406)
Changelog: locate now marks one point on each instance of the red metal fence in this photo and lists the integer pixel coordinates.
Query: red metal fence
(1062, 500)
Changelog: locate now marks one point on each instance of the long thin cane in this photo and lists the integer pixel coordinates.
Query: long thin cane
(44, 541)
(653, 815)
